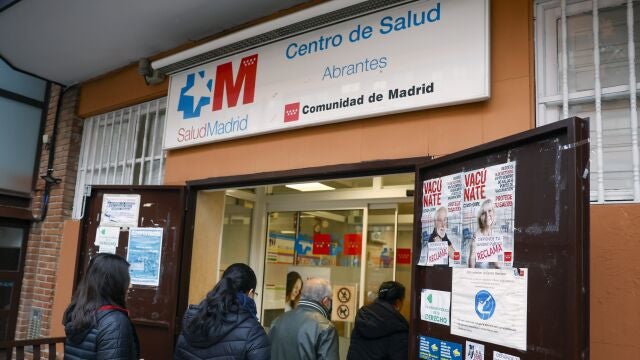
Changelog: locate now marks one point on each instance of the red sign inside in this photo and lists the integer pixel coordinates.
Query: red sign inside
(321, 244)
(403, 256)
(352, 244)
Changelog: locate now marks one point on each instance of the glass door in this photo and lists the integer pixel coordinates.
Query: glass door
(314, 243)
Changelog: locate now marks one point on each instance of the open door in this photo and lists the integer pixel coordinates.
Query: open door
(501, 232)
(152, 217)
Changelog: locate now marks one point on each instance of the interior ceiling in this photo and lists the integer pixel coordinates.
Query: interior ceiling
(71, 41)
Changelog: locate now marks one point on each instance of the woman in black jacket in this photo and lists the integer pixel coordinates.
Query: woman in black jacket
(224, 325)
(97, 321)
(380, 331)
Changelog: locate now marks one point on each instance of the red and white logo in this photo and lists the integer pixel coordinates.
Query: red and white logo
(507, 256)
(292, 112)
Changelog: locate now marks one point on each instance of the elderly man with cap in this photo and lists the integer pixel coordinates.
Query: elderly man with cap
(306, 332)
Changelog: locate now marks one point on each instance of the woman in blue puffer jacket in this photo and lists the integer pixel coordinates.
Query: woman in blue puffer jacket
(224, 325)
(97, 322)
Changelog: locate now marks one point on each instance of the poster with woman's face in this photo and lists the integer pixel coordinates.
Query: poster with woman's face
(488, 215)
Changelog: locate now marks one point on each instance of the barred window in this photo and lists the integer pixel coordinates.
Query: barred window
(122, 147)
(574, 80)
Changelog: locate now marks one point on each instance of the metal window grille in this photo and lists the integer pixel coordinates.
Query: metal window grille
(575, 80)
(123, 147)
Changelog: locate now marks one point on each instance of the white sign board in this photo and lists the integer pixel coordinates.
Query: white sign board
(344, 303)
(490, 305)
(120, 210)
(500, 356)
(434, 306)
(424, 54)
(107, 236)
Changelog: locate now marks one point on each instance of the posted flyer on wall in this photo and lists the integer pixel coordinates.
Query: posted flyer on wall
(120, 210)
(107, 239)
(441, 221)
(434, 306)
(436, 349)
(490, 305)
(473, 213)
(144, 255)
(488, 213)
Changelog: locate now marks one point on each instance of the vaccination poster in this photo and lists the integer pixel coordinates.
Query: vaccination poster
(441, 221)
(144, 254)
(490, 305)
(488, 215)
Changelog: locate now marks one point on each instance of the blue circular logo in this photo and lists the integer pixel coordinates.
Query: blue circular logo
(485, 304)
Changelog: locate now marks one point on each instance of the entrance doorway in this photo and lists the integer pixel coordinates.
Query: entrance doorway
(354, 232)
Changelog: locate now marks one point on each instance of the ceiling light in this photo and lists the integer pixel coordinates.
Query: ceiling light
(314, 186)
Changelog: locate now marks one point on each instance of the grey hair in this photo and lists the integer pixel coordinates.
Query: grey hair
(316, 289)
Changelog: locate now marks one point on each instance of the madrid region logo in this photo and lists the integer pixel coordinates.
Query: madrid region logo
(485, 304)
(194, 88)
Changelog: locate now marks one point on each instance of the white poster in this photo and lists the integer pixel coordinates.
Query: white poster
(434, 306)
(406, 57)
(120, 210)
(488, 215)
(442, 221)
(474, 351)
(490, 305)
(344, 303)
(144, 254)
(501, 356)
(107, 236)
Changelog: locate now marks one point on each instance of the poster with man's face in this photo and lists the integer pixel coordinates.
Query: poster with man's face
(441, 221)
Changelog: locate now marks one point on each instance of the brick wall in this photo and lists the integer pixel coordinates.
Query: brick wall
(45, 237)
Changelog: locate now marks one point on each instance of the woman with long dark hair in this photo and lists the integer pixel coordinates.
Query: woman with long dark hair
(97, 321)
(224, 324)
(380, 331)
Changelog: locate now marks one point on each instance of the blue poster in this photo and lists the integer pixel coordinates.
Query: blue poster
(144, 254)
(436, 349)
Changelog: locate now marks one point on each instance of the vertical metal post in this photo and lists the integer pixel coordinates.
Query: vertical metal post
(632, 102)
(153, 141)
(134, 148)
(144, 146)
(598, 98)
(108, 162)
(113, 179)
(104, 137)
(565, 65)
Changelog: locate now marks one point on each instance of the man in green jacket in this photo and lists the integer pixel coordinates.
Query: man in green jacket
(306, 333)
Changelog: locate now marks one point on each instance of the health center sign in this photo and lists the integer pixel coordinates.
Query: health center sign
(424, 54)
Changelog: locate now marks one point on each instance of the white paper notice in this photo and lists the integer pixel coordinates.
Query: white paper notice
(489, 248)
(438, 253)
(434, 306)
(107, 236)
(490, 305)
(474, 351)
(107, 249)
(501, 356)
(120, 210)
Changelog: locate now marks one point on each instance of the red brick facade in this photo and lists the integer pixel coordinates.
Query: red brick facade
(45, 237)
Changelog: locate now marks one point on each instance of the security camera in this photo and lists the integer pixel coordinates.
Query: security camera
(150, 75)
(144, 67)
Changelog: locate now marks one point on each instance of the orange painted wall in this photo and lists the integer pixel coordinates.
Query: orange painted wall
(428, 132)
(117, 89)
(615, 282)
